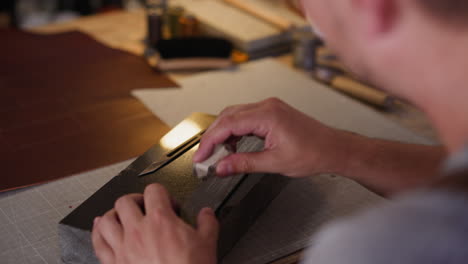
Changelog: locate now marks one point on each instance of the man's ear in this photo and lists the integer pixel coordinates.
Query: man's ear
(379, 16)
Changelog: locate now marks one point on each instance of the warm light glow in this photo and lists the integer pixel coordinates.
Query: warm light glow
(179, 134)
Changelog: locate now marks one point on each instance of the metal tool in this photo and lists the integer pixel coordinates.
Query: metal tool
(172, 155)
(304, 49)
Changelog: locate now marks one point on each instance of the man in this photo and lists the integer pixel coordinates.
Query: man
(415, 49)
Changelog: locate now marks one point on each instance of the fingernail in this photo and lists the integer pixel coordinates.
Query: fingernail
(224, 168)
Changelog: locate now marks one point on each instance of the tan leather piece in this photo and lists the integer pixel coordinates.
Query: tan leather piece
(65, 106)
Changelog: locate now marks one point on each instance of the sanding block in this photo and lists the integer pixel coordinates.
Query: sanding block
(237, 200)
(207, 168)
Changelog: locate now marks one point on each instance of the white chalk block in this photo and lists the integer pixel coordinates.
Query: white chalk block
(208, 167)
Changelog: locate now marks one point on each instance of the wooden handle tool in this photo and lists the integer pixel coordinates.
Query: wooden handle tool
(361, 91)
(333, 72)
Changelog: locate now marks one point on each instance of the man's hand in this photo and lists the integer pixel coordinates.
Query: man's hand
(127, 235)
(295, 144)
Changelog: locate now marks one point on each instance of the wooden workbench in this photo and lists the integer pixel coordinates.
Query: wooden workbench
(126, 30)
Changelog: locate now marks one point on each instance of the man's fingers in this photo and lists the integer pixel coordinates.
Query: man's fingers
(157, 200)
(246, 163)
(237, 108)
(208, 226)
(233, 110)
(111, 229)
(102, 250)
(129, 210)
(240, 124)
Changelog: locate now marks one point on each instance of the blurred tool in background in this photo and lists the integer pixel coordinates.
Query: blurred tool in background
(192, 53)
(304, 49)
(156, 10)
(179, 24)
(353, 87)
(174, 42)
(311, 55)
(172, 18)
(185, 46)
(189, 26)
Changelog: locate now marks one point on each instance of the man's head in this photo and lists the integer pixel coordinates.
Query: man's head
(377, 38)
(415, 49)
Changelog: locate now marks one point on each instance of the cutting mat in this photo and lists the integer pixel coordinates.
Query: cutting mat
(29, 217)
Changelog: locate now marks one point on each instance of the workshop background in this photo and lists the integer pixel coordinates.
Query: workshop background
(32, 13)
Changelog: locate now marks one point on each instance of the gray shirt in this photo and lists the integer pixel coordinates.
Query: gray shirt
(426, 226)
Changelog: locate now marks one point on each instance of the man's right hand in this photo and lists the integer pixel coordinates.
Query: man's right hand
(295, 144)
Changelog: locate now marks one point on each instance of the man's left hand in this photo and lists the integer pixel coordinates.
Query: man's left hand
(127, 235)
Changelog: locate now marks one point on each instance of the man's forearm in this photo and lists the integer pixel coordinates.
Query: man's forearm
(389, 167)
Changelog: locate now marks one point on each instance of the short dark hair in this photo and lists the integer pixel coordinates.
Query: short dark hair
(452, 11)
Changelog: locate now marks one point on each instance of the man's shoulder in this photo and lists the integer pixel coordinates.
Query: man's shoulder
(426, 226)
